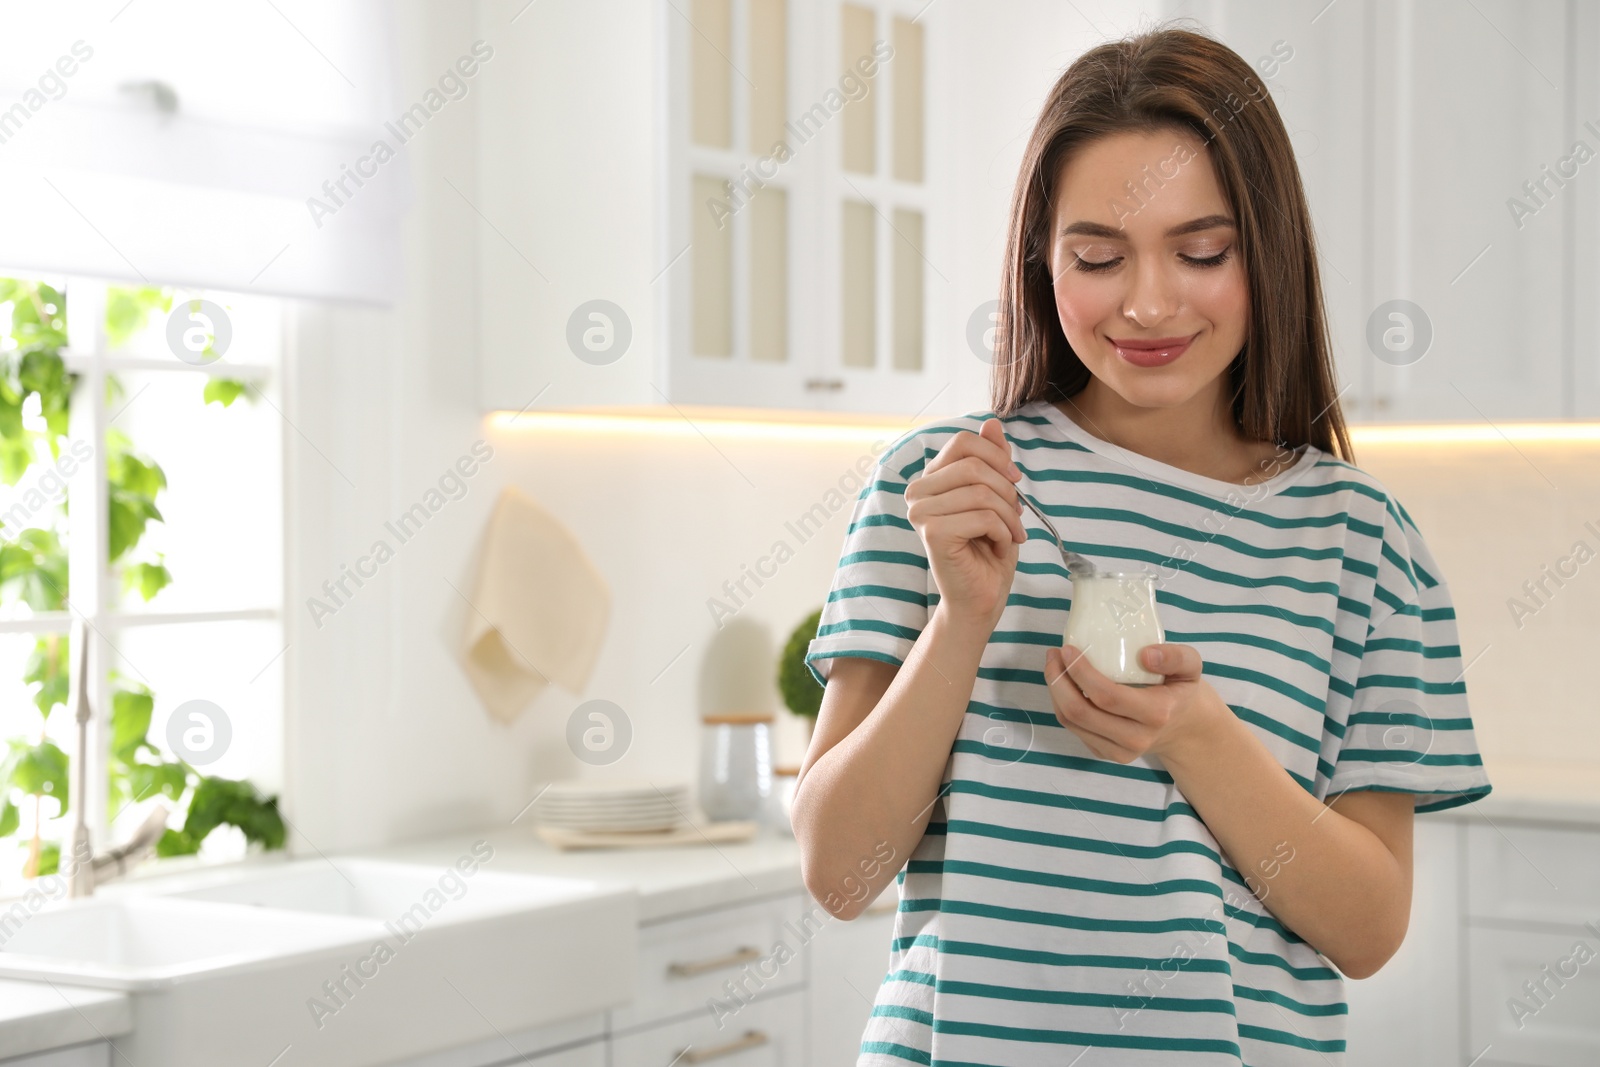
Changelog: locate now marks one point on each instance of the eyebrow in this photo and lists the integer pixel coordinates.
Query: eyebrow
(1097, 229)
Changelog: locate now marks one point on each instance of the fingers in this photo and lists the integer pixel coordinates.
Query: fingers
(1108, 736)
(1177, 662)
(989, 446)
(966, 485)
(980, 525)
(1100, 690)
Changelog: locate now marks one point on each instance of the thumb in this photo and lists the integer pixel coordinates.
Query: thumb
(992, 430)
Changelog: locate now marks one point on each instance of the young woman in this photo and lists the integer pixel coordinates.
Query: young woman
(1179, 872)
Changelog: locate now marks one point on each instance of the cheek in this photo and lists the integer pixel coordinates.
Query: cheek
(1082, 305)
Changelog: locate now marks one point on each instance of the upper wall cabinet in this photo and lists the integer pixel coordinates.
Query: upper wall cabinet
(1442, 146)
(709, 202)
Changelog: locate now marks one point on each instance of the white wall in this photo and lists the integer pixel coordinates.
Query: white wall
(385, 739)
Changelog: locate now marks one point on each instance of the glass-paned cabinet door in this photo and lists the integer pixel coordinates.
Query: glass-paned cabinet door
(877, 202)
(737, 175)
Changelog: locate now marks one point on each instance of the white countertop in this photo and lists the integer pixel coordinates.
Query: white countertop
(682, 879)
(670, 881)
(1538, 792)
(36, 1016)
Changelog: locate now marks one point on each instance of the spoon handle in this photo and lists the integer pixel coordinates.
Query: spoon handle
(1076, 564)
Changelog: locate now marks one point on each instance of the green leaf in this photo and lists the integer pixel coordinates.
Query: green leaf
(796, 684)
(150, 779)
(49, 857)
(47, 668)
(176, 843)
(130, 721)
(223, 800)
(40, 771)
(10, 818)
(148, 578)
(33, 569)
(223, 391)
(128, 309)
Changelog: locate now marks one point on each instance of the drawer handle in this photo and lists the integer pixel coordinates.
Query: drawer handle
(745, 954)
(751, 1039)
(830, 385)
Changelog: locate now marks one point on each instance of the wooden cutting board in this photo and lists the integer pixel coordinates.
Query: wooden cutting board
(706, 834)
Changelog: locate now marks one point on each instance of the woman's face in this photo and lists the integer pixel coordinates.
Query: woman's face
(1156, 260)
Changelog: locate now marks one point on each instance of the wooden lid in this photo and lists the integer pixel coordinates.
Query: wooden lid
(736, 718)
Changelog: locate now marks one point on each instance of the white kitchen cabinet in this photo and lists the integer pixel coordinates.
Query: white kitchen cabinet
(1417, 127)
(579, 1042)
(94, 1054)
(1532, 949)
(848, 963)
(1405, 1016)
(697, 203)
(767, 1032)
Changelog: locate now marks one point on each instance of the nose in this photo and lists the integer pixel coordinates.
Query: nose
(1152, 293)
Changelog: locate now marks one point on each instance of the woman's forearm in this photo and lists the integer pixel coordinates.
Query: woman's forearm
(878, 784)
(1325, 876)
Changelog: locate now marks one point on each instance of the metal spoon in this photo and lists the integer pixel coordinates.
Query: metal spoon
(1077, 565)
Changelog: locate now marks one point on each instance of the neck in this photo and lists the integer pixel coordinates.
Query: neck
(1199, 436)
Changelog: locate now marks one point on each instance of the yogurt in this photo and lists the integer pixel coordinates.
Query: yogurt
(1113, 617)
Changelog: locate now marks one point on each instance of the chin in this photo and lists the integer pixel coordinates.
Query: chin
(1165, 387)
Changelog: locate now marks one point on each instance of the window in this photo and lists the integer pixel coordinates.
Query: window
(140, 456)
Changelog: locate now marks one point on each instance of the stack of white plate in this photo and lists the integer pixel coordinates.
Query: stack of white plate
(614, 806)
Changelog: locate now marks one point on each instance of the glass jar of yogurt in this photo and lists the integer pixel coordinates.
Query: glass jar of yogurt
(1113, 617)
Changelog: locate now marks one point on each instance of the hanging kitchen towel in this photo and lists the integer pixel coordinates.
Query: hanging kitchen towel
(539, 609)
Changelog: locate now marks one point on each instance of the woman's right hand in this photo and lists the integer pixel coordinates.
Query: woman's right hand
(966, 509)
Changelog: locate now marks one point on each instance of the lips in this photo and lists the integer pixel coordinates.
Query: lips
(1152, 352)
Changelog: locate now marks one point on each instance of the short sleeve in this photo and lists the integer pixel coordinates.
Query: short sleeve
(878, 604)
(1410, 730)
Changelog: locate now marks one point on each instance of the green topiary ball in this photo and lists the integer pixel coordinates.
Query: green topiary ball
(796, 683)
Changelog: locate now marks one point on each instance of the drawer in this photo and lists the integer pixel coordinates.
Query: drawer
(763, 1033)
(1563, 1031)
(1533, 873)
(96, 1054)
(581, 1041)
(725, 957)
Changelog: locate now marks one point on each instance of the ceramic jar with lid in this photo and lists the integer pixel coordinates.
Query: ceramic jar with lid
(735, 765)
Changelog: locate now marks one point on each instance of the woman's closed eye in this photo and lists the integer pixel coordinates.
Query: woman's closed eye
(1201, 262)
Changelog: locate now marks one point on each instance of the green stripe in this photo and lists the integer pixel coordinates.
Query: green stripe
(1082, 844)
(1022, 876)
(899, 1052)
(1271, 996)
(1058, 959)
(1377, 755)
(1061, 800)
(1073, 1037)
(909, 559)
(918, 597)
(1029, 917)
(1263, 1033)
(1315, 973)
(1129, 1001)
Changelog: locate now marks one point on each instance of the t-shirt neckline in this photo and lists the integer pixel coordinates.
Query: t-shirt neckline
(1156, 470)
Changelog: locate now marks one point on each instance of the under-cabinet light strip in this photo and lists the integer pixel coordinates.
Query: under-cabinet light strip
(782, 429)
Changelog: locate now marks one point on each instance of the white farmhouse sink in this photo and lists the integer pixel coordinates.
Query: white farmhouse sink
(342, 962)
(148, 942)
(378, 889)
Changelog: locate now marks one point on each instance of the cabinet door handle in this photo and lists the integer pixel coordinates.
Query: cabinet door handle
(744, 954)
(751, 1039)
(831, 385)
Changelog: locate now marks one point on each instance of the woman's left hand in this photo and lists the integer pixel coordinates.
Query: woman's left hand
(1123, 722)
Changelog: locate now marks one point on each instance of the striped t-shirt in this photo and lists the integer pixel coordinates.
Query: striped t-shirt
(1058, 900)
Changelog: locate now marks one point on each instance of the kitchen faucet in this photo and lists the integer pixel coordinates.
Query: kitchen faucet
(89, 870)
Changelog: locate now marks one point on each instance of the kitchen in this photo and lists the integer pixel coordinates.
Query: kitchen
(491, 333)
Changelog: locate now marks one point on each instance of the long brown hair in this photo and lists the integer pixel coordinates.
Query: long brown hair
(1172, 78)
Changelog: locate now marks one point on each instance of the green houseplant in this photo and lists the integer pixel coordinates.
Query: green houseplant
(796, 684)
(35, 387)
